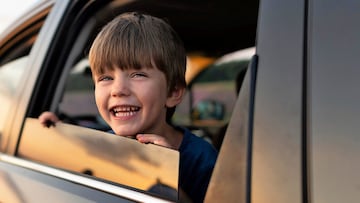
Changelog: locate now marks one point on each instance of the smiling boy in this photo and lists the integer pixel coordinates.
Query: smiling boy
(138, 64)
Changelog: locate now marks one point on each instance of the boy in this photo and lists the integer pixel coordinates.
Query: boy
(138, 64)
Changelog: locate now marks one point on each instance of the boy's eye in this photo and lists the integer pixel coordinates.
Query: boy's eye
(104, 78)
(138, 74)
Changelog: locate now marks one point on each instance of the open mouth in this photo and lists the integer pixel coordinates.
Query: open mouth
(125, 111)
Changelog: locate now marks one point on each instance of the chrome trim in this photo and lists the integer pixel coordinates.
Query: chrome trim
(92, 183)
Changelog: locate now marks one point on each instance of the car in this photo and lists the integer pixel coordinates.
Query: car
(44, 66)
(290, 134)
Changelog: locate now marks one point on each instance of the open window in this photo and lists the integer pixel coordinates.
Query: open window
(79, 144)
(211, 96)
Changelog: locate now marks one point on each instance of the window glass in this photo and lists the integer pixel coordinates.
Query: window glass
(150, 168)
(10, 75)
(236, 148)
(15, 48)
(208, 104)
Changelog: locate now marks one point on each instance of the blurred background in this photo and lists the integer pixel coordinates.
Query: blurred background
(11, 9)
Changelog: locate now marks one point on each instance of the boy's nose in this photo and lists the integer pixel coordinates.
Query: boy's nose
(120, 88)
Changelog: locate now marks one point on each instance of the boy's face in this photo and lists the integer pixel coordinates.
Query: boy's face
(133, 101)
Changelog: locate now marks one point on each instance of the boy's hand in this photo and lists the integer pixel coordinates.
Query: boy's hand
(155, 139)
(48, 119)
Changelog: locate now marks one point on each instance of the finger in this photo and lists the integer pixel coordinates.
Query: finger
(48, 119)
(146, 138)
(153, 139)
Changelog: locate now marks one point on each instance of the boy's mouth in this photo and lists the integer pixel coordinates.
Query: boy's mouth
(122, 111)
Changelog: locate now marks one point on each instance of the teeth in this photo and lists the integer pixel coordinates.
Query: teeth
(126, 109)
(122, 114)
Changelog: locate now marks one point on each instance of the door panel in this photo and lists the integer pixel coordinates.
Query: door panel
(277, 137)
(19, 185)
(334, 100)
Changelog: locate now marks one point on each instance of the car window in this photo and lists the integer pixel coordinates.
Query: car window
(236, 146)
(211, 95)
(215, 86)
(10, 75)
(15, 48)
(82, 146)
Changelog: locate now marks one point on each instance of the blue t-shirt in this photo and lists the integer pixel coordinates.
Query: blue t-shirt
(197, 160)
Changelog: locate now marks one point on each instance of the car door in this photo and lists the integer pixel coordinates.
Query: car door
(333, 99)
(306, 129)
(294, 131)
(278, 156)
(25, 181)
(262, 157)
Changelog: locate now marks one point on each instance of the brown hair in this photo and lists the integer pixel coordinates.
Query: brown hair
(134, 40)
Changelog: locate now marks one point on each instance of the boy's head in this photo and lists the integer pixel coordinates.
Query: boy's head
(134, 40)
(138, 64)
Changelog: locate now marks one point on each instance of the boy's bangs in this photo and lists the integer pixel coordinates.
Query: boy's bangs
(124, 52)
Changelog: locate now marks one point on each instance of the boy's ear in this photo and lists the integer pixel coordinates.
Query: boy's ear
(175, 97)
